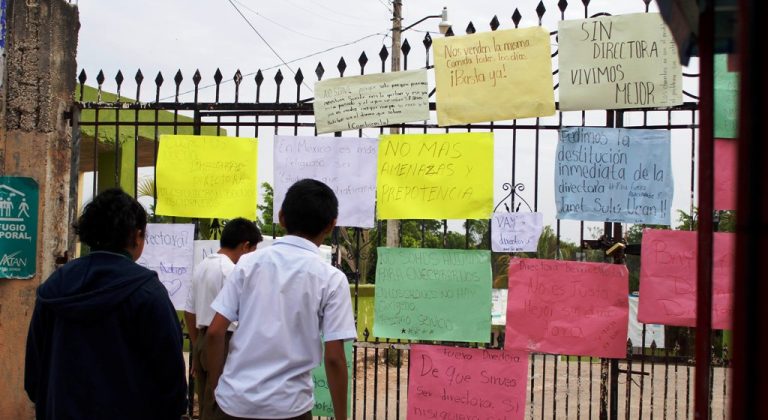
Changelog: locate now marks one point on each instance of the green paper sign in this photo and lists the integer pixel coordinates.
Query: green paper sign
(323, 403)
(726, 99)
(433, 294)
(18, 227)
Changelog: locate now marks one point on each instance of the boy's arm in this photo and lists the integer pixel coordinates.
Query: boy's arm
(190, 320)
(216, 348)
(336, 372)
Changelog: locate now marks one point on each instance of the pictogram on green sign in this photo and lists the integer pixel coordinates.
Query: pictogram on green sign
(18, 227)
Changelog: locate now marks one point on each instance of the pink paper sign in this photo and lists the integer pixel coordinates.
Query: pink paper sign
(567, 307)
(462, 383)
(668, 278)
(726, 161)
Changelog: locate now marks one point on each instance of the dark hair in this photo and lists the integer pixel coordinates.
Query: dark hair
(110, 221)
(309, 207)
(237, 231)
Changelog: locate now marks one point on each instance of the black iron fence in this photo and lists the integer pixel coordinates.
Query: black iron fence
(118, 142)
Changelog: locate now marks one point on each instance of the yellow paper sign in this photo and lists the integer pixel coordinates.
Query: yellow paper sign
(618, 62)
(435, 176)
(494, 76)
(207, 176)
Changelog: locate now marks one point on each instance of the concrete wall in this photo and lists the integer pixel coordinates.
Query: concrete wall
(35, 141)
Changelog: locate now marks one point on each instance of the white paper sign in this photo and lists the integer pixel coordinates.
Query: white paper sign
(626, 61)
(347, 165)
(516, 232)
(168, 250)
(499, 307)
(351, 103)
(204, 248)
(653, 332)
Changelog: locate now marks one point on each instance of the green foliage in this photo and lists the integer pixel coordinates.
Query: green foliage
(267, 211)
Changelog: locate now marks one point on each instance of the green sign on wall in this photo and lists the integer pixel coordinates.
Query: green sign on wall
(18, 227)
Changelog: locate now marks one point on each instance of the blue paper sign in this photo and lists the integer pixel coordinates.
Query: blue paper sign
(614, 175)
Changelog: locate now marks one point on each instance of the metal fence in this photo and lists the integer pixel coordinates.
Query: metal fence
(650, 383)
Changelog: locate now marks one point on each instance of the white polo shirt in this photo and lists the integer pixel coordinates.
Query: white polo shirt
(285, 298)
(207, 281)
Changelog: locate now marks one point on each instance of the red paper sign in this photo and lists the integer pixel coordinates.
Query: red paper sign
(463, 383)
(668, 278)
(567, 307)
(726, 164)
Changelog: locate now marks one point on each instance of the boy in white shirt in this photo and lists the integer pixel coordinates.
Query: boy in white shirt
(287, 301)
(239, 237)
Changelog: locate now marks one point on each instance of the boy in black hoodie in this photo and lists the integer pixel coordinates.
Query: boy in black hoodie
(104, 341)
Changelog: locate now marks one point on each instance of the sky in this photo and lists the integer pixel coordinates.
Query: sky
(205, 35)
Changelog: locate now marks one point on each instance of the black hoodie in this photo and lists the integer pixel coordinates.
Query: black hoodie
(105, 343)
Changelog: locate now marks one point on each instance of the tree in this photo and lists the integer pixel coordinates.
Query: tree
(265, 224)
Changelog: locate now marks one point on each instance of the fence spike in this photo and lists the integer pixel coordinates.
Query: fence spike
(516, 17)
(494, 23)
(383, 53)
(139, 77)
(299, 77)
(427, 41)
(470, 28)
(319, 71)
(259, 78)
(562, 4)
(449, 32)
(119, 79)
(196, 78)
(178, 78)
(341, 66)
(218, 77)
(159, 79)
(540, 10)
(238, 77)
(279, 77)
(100, 77)
(82, 77)
(406, 48)
(362, 60)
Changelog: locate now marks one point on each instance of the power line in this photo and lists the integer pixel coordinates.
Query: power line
(280, 24)
(324, 16)
(265, 42)
(389, 9)
(346, 44)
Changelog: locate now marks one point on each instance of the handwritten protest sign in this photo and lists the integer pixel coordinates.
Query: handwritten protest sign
(726, 167)
(351, 103)
(347, 165)
(499, 307)
(493, 76)
(516, 232)
(462, 383)
(419, 290)
(614, 175)
(206, 176)
(654, 333)
(168, 250)
(668, 273)
(567, 307)
(614, 62)
(203, 248)
(435, 176)
(323, 403)
(726, 98)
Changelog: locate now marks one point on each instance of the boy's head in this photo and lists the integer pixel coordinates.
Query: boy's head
(239, 237)
(310, 209)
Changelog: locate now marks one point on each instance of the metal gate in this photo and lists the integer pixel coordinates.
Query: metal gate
(117, 136)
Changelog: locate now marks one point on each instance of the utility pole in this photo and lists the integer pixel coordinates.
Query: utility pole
(393, 226)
